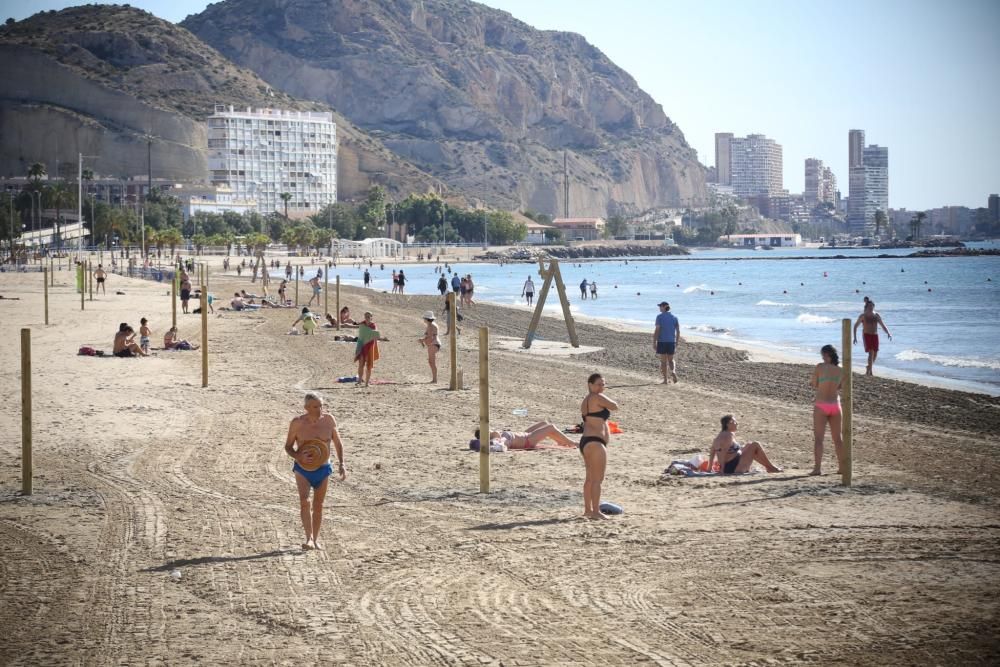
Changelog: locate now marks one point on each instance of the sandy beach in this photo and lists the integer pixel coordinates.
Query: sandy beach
(139, 471)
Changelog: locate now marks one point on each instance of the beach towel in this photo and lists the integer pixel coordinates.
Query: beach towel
(367, 345)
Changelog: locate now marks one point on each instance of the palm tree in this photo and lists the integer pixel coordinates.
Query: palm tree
(880, 220)
(36, 171)
(171, 237)
(916, 223)
(286, 197)
(59, 196)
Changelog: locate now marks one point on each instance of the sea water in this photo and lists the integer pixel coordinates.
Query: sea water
(943, 313)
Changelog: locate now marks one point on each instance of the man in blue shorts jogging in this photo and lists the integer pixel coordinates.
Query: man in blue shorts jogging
(665, 338)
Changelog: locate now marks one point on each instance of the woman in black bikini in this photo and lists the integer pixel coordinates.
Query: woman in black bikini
(596, 410)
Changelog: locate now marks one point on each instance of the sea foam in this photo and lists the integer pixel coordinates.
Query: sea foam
(941, 360)
(809, 318)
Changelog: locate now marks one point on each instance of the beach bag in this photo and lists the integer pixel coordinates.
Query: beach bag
(87, 351)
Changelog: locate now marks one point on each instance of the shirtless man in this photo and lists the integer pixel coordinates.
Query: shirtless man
(100, 276)
(125, 345)
(314, 283)
(185, 291)
(313, 426)
(870, 321)
(734, 457)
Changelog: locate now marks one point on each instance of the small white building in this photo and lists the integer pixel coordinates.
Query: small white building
(220, 199)
(781, 240)
(536, 232)
(380, 247)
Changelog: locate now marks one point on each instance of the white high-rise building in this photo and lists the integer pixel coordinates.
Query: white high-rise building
(755, 166)
(869, 183)
(261, 153)
(821, 185)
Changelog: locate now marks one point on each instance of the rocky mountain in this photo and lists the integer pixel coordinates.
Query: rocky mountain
(103, 80)
(477, 98)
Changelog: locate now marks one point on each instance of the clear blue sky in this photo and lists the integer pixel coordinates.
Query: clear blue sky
(920, 77)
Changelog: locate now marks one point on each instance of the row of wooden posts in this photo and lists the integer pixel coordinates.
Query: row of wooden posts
(455, 383)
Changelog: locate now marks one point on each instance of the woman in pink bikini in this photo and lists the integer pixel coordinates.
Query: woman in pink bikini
(826, 380)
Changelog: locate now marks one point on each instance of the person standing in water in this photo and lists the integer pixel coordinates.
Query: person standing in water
(593, 290)
(666, 335)
(432, 342)
(528, 291)
(367, 278)
(870, 321)
(826, 380)
(308, 442)
(583, 289)
(595, 410)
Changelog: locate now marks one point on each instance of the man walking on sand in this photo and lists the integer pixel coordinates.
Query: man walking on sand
(100, 276)
(316, 290)
(308, 442)
(870, 321)
(528, 292)
(665, 338)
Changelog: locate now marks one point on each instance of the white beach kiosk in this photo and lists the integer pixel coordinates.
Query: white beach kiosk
(381, 247)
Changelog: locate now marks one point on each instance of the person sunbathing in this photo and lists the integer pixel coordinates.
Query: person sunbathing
(170, 341)
(733, 457)
(531, 438)
(345, 318)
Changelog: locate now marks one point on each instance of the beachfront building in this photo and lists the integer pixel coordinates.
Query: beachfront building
(219, 200)
(869, 183)
(369, 248)
(993, 206)
(580, 229)
(755, 240)
(537, 231)
(755, 165)
(259, 154)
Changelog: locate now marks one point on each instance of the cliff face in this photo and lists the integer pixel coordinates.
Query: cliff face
(100, 80)
(481, 100)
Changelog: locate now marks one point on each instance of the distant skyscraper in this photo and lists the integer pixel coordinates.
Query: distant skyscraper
(755, 166)
(821, 185)
(722, 158)
(869, 183)
(994, 206)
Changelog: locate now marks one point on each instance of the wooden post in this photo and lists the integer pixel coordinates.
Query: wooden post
(484, 409)
(296, 286)
(45, 282)
(173, 298)
(846, 390)
(83, 282)
(204, 335)
(338, 301)
(205, 270)
(52, 272)
(90, 278)
(570, 325)
(453, 342)
(26, 412)
(326, 295)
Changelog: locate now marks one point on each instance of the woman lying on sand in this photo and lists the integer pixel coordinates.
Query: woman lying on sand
(733, 457)
(531, 438)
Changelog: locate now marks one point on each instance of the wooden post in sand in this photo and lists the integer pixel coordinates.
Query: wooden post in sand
(337, 314)
(83, 282)
(52, 272)
(173, 299)
(26, 412)
(453, 343)
(484, 409)
(204, 335)
(846, 390)
(296, 287)
(90, 279)
(45, 282)
(326, 294)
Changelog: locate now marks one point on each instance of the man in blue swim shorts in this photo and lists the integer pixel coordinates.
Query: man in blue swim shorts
(665, 338)
(308, 442)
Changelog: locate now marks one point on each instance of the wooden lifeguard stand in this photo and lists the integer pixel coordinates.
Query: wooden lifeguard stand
(548, 275)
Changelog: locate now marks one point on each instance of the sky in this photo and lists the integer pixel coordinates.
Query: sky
(919, 76)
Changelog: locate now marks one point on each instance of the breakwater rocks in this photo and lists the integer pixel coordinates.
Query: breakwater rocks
(583, 252)
(958, 252)
(928, 243)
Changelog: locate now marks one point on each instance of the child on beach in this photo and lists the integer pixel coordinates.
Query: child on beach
(144, 334)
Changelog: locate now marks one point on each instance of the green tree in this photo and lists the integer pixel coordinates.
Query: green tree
(503, 229)
(615, 226)
(372, 210)
(170, 237)
(299, 236)
(286, 197)
(323, 240)
(200, 241)
(256, 241)
(880, 222)
(36, 172)
(915, 225)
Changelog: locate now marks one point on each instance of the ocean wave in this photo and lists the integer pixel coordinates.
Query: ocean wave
(698, 288)
(941, 360)
(809, 318)
(765, 302)
(706, 328)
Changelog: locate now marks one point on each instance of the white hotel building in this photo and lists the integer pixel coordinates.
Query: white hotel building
(260, 153)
